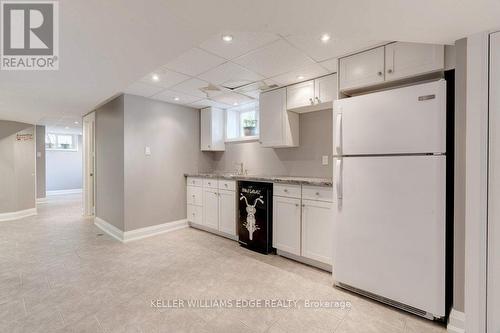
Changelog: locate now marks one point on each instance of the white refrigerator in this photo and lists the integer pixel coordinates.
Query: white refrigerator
(389, 179)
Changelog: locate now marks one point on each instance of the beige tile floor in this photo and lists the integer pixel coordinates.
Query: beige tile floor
(58, 273)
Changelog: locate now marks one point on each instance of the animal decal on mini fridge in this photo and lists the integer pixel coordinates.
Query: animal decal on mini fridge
(250, 223)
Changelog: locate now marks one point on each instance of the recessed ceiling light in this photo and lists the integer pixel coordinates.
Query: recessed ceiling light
(227, 38)
(155, 77)
(66, 127)
(325, 38)
(76, 123)
(300, 77)
(235, 103)
(176, 98)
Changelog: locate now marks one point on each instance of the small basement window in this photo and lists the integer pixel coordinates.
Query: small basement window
(242, 123)
(54, 141)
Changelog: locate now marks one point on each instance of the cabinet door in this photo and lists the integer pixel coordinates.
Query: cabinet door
(410, 59)
(325, 89)
(195, 214)
(362, 69)
(286, 224)
(217, 132)
(300, 95)
(211, 208)
(206, 129)
(272, 106)
(317, 230)
(227, 212)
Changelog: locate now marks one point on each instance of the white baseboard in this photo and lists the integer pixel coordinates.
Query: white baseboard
(17, 215)
(456, 322)
(65, 192)
(141, 233)
(42, 200)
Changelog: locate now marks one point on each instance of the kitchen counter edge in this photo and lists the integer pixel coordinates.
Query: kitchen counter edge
(327, 182)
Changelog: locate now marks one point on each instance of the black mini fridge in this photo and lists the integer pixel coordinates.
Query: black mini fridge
(255, 220)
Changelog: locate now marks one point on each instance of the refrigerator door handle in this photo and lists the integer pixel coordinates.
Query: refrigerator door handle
(338, 178)
(338, 133)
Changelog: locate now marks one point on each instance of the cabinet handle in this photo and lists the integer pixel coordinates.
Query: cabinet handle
(317, 193)
(380, 73)
(209, 183)
(225, 185)
(389, 71)
(208, 146)
(303, 205)
(311, 100)
(285, 190)
(194, 214)
(296, 205)
(317, 98)
(193, 195)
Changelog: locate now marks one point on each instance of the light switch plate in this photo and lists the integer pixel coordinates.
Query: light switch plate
(147, 151)
(324, 160)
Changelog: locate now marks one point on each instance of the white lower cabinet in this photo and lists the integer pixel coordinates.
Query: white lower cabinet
(211, 208)
(303, 223)
(211, 205)
(227, 212)
(286, 224)
(317, 222)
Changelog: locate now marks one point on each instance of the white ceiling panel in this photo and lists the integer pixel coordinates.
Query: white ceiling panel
(194, 62)
(230, 75)
(253, 94)
(175, 97)
(334, 48)
(204, 103)
(167, 78)
(331, 65)
(243, 42)
(192, 87)
(274, 59)
(232, 98)
(302, 74)
(142, 89)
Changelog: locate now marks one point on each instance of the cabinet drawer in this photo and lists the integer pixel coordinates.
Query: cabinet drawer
(227, 185)
(291, 191)
(194, 181)
(194, 195)
(319, 193)
(195, 214)
(210, 183)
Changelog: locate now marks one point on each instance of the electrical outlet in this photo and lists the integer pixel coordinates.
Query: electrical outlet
(324, 160)
(147, 151)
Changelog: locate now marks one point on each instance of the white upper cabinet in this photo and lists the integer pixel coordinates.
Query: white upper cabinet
(362, 69)
(278, 127)
(313, 95)
(388, 63)
(300, 95)
(212, 129)
(403, 60)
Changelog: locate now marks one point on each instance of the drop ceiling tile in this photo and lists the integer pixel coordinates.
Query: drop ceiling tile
(243, 42)
(167, 78)
(274, 59)
(194, 62)
(331, 65)
(192, 87)
(204, 103)
(334, 48)
(171, 96)
(230, 75)
(302, 74)
(253, 94)
(142, 89)
(232, 98)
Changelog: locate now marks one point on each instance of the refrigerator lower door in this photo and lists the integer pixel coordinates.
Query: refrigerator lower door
(389, 229)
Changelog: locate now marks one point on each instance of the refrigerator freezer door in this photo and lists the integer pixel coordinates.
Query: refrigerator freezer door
(400, 121)
(390, 229)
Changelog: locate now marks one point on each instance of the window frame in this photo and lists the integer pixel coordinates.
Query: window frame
(242, 109)
(74, 138)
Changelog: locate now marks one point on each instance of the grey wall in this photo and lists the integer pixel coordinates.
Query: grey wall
(40, 162)
(17, 168)
(109, 162)
(460, 161)
(64, 169)
(305, 160)
(155, 185)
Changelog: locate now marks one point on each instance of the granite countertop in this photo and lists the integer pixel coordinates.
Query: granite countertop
(267, 178)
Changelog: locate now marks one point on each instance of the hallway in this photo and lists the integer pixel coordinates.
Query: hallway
(59, 273)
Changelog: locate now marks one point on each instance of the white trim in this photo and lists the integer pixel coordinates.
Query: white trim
(17, 215)
(65, 192)
(154, 230)
(42, 200)
(141, 233)
(108, 228)
(456, 322)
